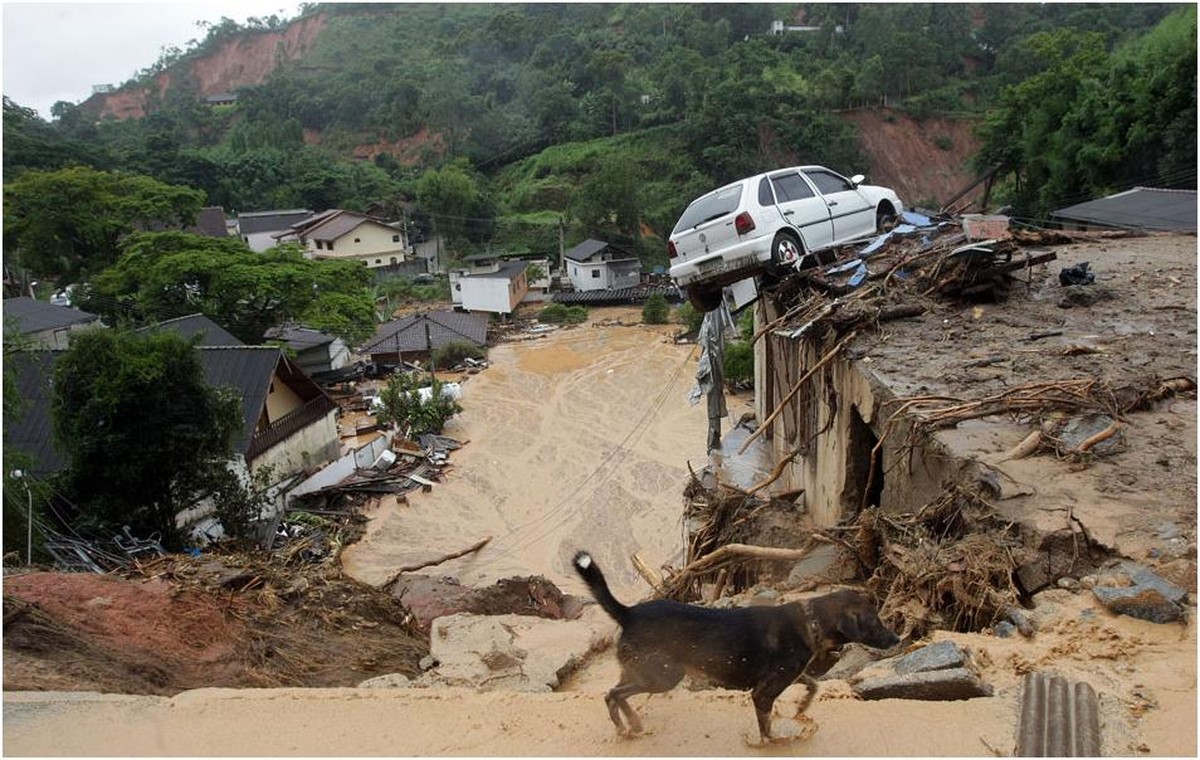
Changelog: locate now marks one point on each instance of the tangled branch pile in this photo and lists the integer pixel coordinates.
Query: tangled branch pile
(948, 565)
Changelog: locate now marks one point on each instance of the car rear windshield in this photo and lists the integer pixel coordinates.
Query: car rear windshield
(712, 206)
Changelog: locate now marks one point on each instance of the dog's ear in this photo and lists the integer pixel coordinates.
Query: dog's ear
(848, 625)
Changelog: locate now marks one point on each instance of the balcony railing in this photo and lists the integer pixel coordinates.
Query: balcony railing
(288, 424)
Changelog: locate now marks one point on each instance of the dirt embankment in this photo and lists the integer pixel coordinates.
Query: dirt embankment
(241, 61)
(927, 161)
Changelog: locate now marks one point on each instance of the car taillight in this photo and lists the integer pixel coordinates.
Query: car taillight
(743, 223)
(671, 252)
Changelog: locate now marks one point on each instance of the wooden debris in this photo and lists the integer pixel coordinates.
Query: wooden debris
(430, 563)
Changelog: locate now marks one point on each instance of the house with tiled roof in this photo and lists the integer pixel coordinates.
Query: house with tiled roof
(314, 350)
(349, 235)
(258, 229)
(211, 333)
(288, 422)
(416, 336)
(47, 325)
(597, 265)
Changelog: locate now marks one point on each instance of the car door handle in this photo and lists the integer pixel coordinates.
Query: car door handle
(832, 204)
(788, 213)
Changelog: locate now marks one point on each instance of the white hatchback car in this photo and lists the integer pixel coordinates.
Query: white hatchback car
(772, 222)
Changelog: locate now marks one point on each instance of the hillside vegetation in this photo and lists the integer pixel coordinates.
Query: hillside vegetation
(519, 126)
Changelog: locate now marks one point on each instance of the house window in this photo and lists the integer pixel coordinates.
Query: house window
(318, 245)
(395, 238)
(378, 262)
(331, 245)
(393, 261)
(595, 274)
(357, 240)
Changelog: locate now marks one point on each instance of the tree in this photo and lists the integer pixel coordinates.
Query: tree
(144, 435)
(68, 223)
(163, 275)
(450, 195)
(404, 408)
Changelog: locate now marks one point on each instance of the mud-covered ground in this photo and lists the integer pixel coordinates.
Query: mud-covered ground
(584, 437)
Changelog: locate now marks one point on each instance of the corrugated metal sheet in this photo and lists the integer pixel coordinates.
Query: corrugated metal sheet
(30, 430)
(1140, 208)
(248, 370)
(1058, 718)
(211, 333)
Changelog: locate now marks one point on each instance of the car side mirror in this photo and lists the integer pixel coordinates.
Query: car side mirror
(857, 180)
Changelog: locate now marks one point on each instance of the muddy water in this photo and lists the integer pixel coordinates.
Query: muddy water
(581, 439)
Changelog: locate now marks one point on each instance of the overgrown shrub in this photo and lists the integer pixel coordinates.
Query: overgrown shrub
(691, 317)
(557, 313)
(404, 408)
(739, 363)
(656, 310)
(455, 352)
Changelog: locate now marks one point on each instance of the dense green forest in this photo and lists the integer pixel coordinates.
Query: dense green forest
(550, 122)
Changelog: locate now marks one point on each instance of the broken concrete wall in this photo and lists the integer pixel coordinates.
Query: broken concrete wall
(834, 421)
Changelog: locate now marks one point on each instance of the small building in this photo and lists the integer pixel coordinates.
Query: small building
(416, 336)
(210, 222)
(596, 265)
(221, 99)
(259, 228)
(1142, 208)
(315, 351)
(349, 235)
(47, 325)
(490, 285)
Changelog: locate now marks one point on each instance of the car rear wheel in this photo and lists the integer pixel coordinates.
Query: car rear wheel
(704, 299)
(786, 250)
(885, 218)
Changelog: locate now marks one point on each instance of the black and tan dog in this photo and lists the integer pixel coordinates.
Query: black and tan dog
(764, 649)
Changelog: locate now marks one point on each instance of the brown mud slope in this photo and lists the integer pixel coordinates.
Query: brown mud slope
(927, 161)
(241, 61)
(190, 623)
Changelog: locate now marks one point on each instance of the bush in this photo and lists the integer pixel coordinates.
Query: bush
(739, 363)
(656, 310)
(453, 353)
(691, 317)
(557, 313)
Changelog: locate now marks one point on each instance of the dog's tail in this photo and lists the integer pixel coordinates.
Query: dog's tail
(590, 572)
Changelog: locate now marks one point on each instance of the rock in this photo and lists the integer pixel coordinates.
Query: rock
(512, 652)
(940, 671)
(952, 684)
(389, 681)
(427, 663)
(940, 656)
(1148, 597)
(818, 563)
(854, 658)
(1068, 583)
(1004, 629)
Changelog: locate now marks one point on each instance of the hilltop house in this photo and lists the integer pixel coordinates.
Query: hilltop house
(415, 337)
(258, 229)
(47, 325)
(596, 265)
(349, 235)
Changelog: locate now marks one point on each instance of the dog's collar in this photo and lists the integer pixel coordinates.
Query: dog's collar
(812, 632)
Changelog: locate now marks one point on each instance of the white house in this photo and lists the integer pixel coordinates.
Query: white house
(496, 287)
(596, 265)
(258, 229)
(349, 235)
